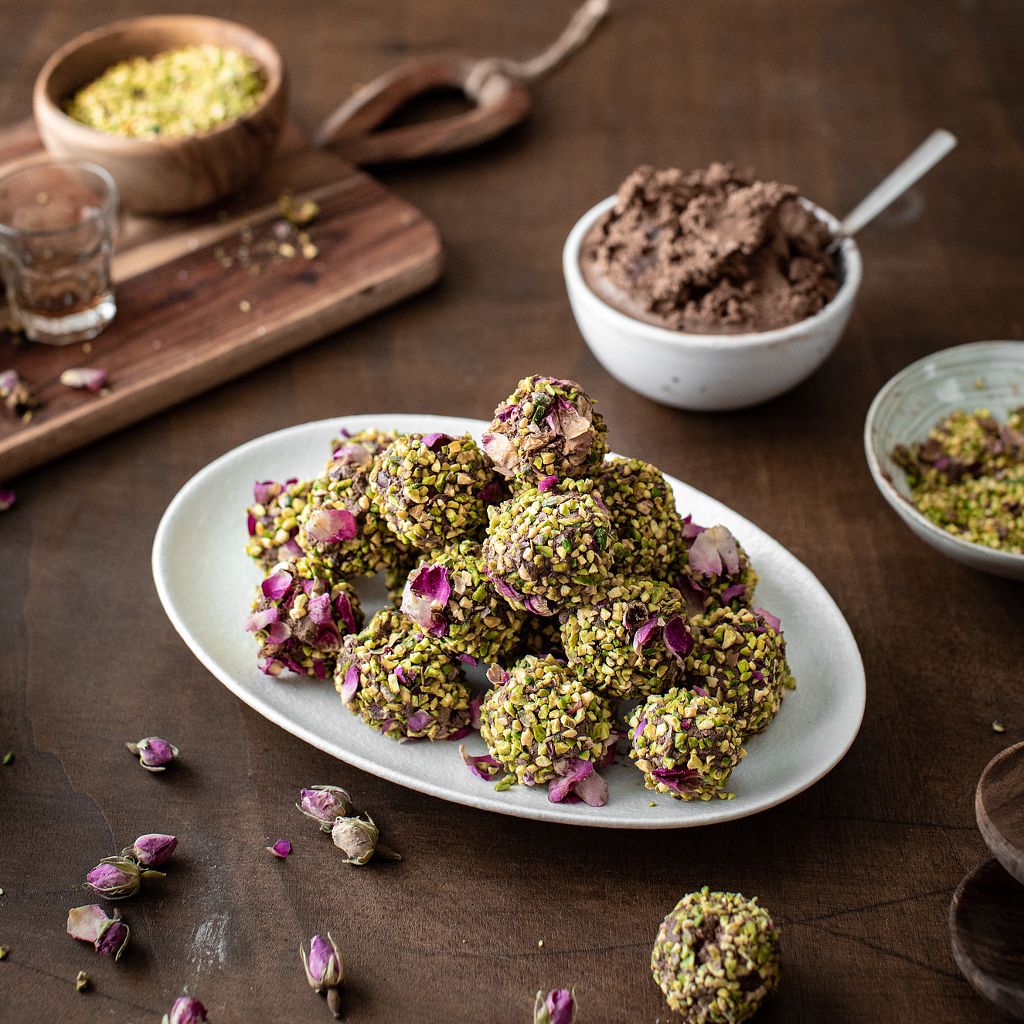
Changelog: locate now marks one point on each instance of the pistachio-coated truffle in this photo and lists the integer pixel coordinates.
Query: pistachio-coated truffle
(546, 427)
(539, 720)
(400, 683)
(643, 512)
(300, 621)
(632, 642)
(341, 529)
(686, 744)
(548, 549)
(449, 597)
(432, 489)
(716, 957)
(273, 520)
(739, 657)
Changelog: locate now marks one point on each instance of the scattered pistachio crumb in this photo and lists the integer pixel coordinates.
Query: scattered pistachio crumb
(998, 726)
(86, 347)
(540, 943)
(4, 951)
(8, 757)
(1, 892)
(245, 305)
(652, 803)
(82, 981)
(504, 783)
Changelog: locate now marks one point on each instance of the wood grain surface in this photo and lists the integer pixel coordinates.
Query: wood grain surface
(860, 869)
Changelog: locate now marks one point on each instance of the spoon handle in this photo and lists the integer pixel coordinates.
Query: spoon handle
(919, 163)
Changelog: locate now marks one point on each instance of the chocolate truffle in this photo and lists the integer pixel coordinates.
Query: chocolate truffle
(716, 957)
(686, 743)
(546, 427)
(273, 520)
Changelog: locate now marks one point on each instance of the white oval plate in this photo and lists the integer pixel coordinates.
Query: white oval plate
(206, 582)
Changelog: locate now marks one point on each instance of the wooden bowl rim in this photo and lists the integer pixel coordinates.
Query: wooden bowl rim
(93, 137)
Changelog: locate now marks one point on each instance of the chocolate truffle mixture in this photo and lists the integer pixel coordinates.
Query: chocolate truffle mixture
(715, 251)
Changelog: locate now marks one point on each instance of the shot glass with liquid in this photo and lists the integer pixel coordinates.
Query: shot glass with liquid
(57, 221)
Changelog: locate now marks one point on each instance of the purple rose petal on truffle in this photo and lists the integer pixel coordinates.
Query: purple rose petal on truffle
(773, 621)
(640, 726)
(263, 491)
(547, 483)
(276, 585)
(418, 721)
(331, 525)
(434, 441)
(714, 552)
(681, 780)
(278, 632)
(645, 634)
(343, 608)
(736, 590)
(691, 531)
(261, 619)
(677, 637)
(320, 610)
(490, 493)
(351, 684)
(563, 418)
(425, 596)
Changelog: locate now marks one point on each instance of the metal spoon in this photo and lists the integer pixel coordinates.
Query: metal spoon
(915, 167)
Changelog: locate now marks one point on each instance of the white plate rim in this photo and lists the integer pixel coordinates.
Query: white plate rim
(715, 812)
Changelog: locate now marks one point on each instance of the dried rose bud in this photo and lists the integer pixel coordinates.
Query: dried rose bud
(108, 935)
(114, 877)
(151, 850)
(325, 970)
(117, 878)
(154, 753)
(16, 394)
(357, 839)
(186, 1010)
(324, 804)
(557, 1007)
(7, 498)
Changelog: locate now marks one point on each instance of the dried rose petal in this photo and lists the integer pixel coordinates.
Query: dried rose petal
(425, 596)
(483, 766)
(260, 620)
(645, 634)
(89, 377)
(677, 637)
(773, 621)
(331, 525)
(557, 1007)
(547, 483)
(733, 591)
(7, 498)
(435, 441)
(418, 721)
(276, 585)
(264, 491)
(87, 923)
(281, 848)
(579, 779)
(351, 684)
(714, 552)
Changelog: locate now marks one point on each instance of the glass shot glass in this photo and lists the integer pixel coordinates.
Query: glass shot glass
(57, 220)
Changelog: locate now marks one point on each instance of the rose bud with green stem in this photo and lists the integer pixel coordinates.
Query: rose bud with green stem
(117, 878)
(324, 804)
(325, 970)
(357, 839)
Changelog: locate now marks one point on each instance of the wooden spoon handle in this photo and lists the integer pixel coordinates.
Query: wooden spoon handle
(500, 101)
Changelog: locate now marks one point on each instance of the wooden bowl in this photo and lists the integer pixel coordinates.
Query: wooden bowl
(171, 175)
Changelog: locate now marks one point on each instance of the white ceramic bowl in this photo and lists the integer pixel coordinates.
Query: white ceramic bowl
(986, 374)
(706, 372)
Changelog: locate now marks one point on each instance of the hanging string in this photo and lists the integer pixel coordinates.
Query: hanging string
(577, 32)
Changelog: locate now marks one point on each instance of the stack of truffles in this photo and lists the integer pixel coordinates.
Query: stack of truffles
(605, 618)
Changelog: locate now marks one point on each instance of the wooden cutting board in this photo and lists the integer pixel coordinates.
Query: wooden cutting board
(186, 322)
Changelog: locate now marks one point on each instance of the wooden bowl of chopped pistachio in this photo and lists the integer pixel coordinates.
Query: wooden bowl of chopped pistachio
(181, 110)
(945, 443)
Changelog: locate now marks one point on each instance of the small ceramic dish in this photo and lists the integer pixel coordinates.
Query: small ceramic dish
(985, 374)
(707, 372)
(169, 175)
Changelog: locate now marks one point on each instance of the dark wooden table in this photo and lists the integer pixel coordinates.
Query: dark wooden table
(828, 94)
